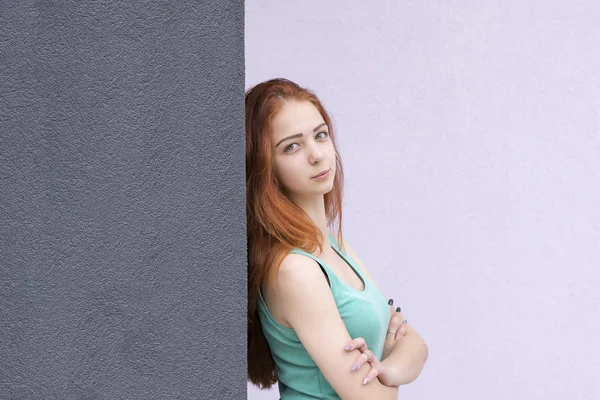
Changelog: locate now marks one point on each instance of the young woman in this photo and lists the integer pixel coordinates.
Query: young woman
(317, 323)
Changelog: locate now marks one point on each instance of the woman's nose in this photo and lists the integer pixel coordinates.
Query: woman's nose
(316, 154)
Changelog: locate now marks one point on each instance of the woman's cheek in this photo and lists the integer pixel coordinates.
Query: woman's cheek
(286, 178)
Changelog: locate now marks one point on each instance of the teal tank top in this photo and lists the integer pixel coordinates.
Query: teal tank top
(366, 314)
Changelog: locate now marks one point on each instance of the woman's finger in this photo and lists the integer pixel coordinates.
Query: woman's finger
(404, 325)
(403, 329)
(364, 357)
(393, 329)
(394, 311)
(376, 369)
(355, 344)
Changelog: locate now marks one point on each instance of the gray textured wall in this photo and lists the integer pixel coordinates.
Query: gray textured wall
(122, 225)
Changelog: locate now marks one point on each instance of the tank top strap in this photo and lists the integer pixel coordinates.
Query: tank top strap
(346, 257)
(332, 278)
(317, 259)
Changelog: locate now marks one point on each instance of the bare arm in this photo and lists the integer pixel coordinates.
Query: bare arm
(407, 358)
(311, 311)
(410, 352)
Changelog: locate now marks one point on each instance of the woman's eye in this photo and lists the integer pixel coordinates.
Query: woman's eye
(288, 148)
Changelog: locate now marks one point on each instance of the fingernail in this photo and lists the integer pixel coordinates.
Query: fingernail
(405, 322)
(354, 367)
(391, 302)
(398, 309)
(366, 381)
(348, 347)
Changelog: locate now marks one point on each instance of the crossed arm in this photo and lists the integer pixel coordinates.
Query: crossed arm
(311, 311)
(408, 355)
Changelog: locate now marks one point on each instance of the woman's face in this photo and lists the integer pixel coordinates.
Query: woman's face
(302, 149)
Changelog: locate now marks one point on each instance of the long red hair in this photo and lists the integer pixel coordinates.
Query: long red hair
(275, 225)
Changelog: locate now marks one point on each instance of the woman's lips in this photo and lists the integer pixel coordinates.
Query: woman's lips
(322, 175)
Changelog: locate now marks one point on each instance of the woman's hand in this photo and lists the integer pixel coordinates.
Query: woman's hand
(378, 370)
(396, 329)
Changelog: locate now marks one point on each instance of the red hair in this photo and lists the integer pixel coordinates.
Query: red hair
(276, 225)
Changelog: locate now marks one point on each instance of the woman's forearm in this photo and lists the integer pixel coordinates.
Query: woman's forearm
(407, 358)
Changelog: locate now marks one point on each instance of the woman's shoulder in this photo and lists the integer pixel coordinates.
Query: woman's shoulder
(297, 272)
(296, 267)
(297, 277)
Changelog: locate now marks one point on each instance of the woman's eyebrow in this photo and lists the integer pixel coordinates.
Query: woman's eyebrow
(297, 135)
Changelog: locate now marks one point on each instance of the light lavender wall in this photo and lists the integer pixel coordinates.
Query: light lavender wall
(470, 133)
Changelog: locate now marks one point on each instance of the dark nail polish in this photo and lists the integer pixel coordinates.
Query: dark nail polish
(391, 302)
(398, 309)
